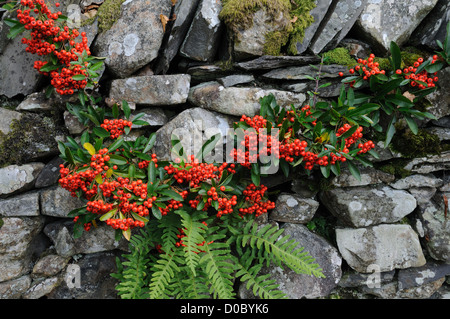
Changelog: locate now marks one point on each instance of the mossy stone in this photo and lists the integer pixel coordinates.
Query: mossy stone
(339, 56)
(238, 15)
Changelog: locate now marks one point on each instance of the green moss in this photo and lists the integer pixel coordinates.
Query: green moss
(25, 138)
(395, 167)
(238, 15)
(412, 145)
(107, 14)
(384, 63)
(339, 56)
(274, 41)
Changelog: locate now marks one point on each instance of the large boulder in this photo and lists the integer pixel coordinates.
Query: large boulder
(152, 89)
(15, 178)
(384, 21)
(337, 25)
(192, 127)
(16, 237)
(134, 39)
(387, 247)
(366, 206)
(238, 100)
(202, 39)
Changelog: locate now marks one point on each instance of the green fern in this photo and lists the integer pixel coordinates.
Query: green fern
(271, 247)
(261, 285)
(219, 267)
(164, 270)
(132, 273)
(193, 230)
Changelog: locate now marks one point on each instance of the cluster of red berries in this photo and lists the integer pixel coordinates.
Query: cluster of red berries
(173, 204)
(115, 127)
(294, 148)
(124, 223)
(421, 80)
(254, 197)
(195, 173)
(47, 38)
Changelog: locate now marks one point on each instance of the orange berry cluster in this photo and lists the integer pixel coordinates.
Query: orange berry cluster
(421, 80)
(290, 149)
(194, 172)
(115, 127)
(48, 38)
(254, 196)
(173, 204)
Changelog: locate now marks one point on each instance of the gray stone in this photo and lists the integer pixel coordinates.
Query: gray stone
(418, 276)
(193, 127)
(251, 41)
(387, 247)
(434, 227)
(42, 288)
(417, 180)
(352, 278)
(429, 164)
(206, 72)
(442, 132)
(292, 208)
(369, 176)
(35, 102)
(14, 288)
(58, 202)
(184, 12)
(95, 280)
(154, 116)
(337, 25)
(49, 265)
(98, 239)
(6, 117)
(440, 99)
(297, 286)
(232, 80)
(366, 206)
(17, 75)
(49, 175)
(26, 204)
(302, 72)
(422, 194)
(386, 20)
(318, 14)
(152, 90)
(135, 38)
(16, 236)
(15, 178)
(201, 41)
(433, 27)
(238, 100)
(269, 62)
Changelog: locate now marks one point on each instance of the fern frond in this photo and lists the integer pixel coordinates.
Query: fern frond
(277, 248)
(261, 285)
(133, 272)
(219, 267)
(193, 229)
(186, 285)
(164, 269)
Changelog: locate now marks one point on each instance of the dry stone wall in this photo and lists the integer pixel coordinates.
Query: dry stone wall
(384, 236)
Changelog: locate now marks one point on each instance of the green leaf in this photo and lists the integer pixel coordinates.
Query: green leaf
(255, 174)
(354, 170)
(69, 156)
(101, 132)
(118, 143)
(412, 124)
(363, 109)
(126, 109)
(396, 56)
(172, 194)
(390, 131)
(117, 160)
(150, 142)
(78, 77)
(15, 31)
(156, 212)
(49, 67)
